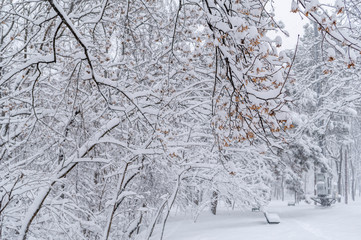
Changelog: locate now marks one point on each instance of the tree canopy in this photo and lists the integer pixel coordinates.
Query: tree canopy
(113, 112)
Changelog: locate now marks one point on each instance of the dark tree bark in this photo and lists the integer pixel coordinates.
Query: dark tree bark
(214, 202)
(346, 178)
(339, 175)
(353, 182)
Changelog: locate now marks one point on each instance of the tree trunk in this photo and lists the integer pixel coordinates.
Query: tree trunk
(314, 181)
(305, 184)
(283, 189)
(214, 202)
(353, 181)
(339, 176)
(296, 197)
(346, 178)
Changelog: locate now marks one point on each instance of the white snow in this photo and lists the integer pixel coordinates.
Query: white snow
(351, 111)
(278, 41)
(294, 6)
(300, 222)
(253, 32)
(339, 4)
(331, 53)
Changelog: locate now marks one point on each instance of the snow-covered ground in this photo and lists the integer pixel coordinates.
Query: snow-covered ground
(300, 222)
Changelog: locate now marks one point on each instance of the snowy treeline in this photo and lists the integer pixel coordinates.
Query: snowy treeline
(115, 112)
(327, 101)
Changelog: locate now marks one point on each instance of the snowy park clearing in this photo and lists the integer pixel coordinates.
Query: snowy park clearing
(300, 222)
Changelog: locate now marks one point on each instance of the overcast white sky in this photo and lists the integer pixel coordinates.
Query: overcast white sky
(293, 21)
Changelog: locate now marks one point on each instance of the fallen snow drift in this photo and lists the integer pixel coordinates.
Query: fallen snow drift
(299, 222)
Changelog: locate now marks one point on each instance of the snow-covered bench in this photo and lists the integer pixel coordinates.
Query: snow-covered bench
(256, 209)
(291, 204)
(272, 218)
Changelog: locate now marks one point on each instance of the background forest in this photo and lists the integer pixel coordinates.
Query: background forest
(113, 113)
